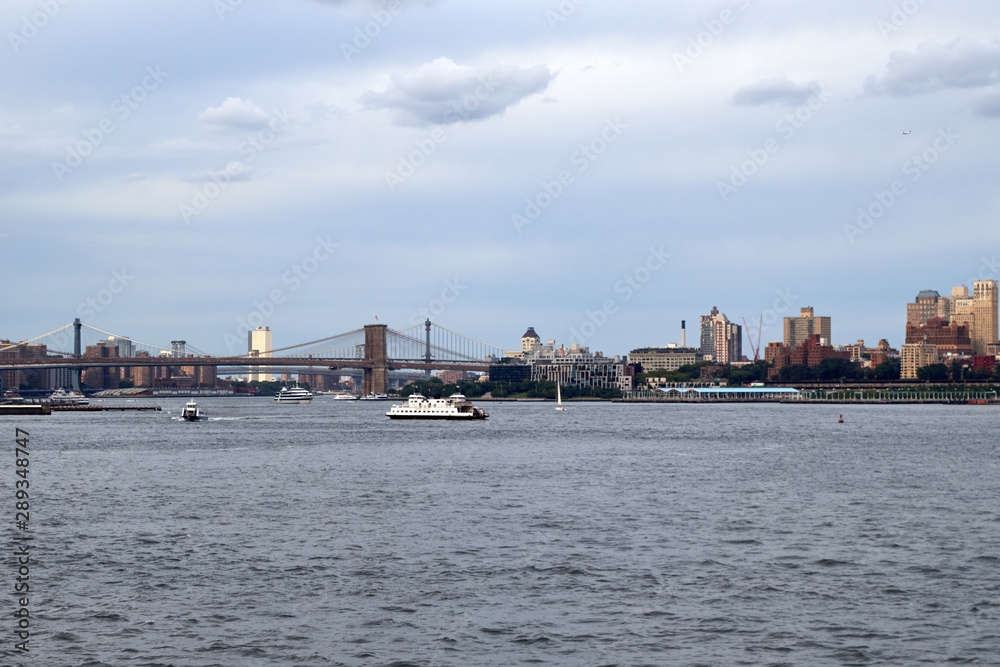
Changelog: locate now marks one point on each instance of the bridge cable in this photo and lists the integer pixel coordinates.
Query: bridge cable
(23, 342)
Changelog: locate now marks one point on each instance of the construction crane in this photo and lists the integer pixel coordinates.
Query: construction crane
(760, 330)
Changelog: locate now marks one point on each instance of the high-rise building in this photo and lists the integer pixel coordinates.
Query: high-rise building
(984, 315)
(961, 308)
(142, 376)
(720, 338)
(259, 344)
(101, 377)
(26, 378)
(529, 342)
(915, 356)
(928, 305)
(799, 329)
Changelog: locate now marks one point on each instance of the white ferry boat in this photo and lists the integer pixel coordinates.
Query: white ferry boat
(191, 412)
(62, 397)
(294, 395)
(345, 397)
(455, 406)
(375, 397)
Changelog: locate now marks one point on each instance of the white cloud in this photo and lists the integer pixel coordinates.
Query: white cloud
(235, 113)
(444, 92)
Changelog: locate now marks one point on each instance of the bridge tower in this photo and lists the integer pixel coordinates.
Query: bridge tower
(77, 350)
(427, 354)
(376, 378)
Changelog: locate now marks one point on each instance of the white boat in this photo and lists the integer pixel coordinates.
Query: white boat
(455, 406)
(375, 397)
(12, 397)
(62, 397)
(559, 405)
(293, 395)
(345, 397)
(191, 412)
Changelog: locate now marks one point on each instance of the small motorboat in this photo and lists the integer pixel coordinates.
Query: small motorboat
(191, 412)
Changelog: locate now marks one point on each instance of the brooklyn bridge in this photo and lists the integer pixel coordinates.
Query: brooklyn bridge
(374, 349)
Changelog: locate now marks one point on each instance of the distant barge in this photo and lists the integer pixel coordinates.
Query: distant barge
(26, 409)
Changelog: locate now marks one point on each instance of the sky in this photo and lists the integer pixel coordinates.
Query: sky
(596, 170)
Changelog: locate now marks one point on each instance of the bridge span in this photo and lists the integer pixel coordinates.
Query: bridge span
(382, 350)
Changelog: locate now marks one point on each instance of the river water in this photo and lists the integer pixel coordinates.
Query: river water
(611, 534)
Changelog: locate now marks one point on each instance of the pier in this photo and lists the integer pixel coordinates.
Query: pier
(102, 408)
(881, 396)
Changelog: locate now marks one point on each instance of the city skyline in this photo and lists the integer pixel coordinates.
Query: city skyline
(184, 167)
(925, 306)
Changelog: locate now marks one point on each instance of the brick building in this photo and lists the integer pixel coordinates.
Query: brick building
(810, 352)
(950, 339)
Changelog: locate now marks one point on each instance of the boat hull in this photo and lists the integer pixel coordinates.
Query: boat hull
(453, 408)
(440, 417)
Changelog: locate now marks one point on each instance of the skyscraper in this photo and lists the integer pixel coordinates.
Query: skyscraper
(259, 344)
(928, 305)
(720, 338)
(984, 315)
(799, 329)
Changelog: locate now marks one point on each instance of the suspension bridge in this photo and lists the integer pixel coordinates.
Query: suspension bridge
(374, 349)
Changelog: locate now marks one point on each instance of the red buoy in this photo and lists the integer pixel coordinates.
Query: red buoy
(841, 420)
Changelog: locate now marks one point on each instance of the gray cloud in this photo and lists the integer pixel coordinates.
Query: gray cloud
(781, 91)
(443, 92)
(933, 66)
(989, 107)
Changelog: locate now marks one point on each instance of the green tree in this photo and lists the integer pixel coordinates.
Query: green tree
(888, 370)
(795, 373)
(831, 370)
(956, 371)
(933, 373)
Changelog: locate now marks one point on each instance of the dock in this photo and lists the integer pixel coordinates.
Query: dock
(101, 408)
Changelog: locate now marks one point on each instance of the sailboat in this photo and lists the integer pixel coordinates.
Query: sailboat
(559, 405)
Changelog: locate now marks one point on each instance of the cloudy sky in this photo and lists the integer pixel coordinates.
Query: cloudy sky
(597, 170)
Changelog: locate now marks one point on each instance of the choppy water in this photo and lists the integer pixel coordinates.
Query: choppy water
(325, 534)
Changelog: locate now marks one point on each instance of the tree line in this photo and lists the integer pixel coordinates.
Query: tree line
(828, 370)
(525, 389)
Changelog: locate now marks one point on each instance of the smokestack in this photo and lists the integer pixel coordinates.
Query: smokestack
(683, 335)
